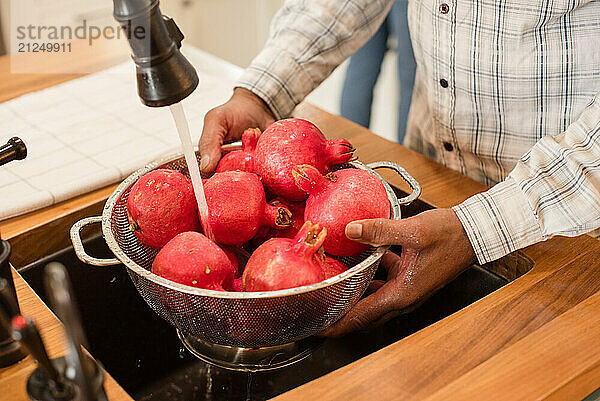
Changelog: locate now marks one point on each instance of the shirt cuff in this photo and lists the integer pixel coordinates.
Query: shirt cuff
(499, 221)
(277, 78)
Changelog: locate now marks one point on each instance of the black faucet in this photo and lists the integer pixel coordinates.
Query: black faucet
(10, 350)
(73, 377)
(164, 75)
(14, 149)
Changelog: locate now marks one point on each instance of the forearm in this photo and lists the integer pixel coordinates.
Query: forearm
(553, 190)
(308, 40)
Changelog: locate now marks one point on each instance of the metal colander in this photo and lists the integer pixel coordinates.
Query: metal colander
(241, 319)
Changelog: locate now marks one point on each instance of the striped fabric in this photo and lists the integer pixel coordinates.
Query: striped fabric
(507, 92)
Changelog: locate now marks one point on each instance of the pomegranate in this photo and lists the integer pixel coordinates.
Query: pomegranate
(241, 160)
(232, 255)
(192, 259)
(237, 285)
(338, 198)
(161, 205)
(282, 263)
(290, 142)
(297, 210)
(333, 267)
(237, 208)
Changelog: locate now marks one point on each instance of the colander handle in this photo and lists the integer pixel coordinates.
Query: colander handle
(412, 183)
(78, 243)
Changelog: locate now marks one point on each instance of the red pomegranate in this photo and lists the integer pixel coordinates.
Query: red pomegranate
(237, 285)
(237, 208)
(290, 142)
(233, 256)
(297, 210)
(241, 160)
(332, 267)
(192, 259)
(161, 205)
(282, 263)
(338, 198)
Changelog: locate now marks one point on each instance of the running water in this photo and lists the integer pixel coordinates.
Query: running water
(190, 158)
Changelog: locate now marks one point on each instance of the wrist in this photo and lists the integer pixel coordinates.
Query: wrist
(462, 239)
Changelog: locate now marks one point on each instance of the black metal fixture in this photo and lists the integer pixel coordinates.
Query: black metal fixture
(164, 75)
(10, 351)
(14, 149)
(74, 377)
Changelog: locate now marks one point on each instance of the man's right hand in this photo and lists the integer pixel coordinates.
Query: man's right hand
(227, 122)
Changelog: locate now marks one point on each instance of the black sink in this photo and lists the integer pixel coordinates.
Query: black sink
(142, 352)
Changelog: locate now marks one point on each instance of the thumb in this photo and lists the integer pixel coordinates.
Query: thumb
(378, 232)
(213, 132)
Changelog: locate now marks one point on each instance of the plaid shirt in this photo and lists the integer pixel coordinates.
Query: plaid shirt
(506, 92)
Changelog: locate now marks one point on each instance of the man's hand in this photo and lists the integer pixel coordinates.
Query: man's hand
(227, 122)
(435, 249)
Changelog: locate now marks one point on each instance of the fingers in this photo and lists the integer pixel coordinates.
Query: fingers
(377, 232)
(374, 286)
(390, 260)
(384, 303)
(376, 308)
(214, 130)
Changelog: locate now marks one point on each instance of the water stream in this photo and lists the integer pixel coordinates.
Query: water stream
(190, 158)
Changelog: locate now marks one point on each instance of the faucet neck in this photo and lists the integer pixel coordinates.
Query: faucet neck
(164, 75)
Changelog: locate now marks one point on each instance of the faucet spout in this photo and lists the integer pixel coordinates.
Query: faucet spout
(164, 75)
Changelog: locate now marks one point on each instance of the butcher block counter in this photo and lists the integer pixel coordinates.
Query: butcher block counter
(535, 338)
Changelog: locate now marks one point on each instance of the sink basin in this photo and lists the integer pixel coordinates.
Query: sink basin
(143, 353)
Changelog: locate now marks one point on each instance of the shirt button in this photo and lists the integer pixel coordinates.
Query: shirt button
(448, 146)
(444, 8)
(444, 83)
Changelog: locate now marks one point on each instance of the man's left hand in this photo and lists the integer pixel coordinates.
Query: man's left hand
(435, 249)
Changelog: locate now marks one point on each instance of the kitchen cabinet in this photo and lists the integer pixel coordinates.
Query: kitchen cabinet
(234, 30)
(231, 29)
(52, 13)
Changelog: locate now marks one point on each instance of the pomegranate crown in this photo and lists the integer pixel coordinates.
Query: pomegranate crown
(310, 238)
(277, 215)
(340, 151)
(310, 180)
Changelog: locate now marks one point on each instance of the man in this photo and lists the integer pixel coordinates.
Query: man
(500, 87)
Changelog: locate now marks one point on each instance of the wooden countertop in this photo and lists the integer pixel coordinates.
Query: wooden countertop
(534, 338)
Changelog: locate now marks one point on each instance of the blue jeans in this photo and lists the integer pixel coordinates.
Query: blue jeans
(365, 66)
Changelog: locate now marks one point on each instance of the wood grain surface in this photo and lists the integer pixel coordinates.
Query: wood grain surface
(535, 338)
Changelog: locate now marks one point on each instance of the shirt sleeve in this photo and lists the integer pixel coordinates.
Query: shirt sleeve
(553, 190)
(308, 40)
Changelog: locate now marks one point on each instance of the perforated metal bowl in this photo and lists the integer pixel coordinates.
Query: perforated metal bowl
(240, 319)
